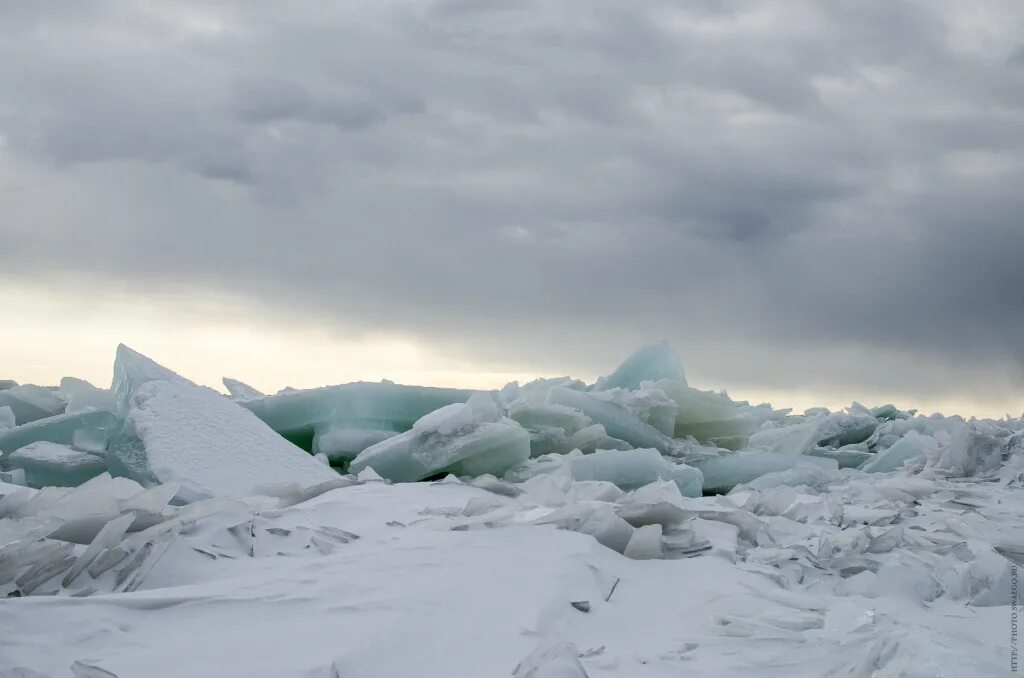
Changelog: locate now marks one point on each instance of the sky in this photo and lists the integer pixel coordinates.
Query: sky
(814, 202)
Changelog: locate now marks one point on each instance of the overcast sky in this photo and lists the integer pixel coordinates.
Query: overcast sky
(813, 201)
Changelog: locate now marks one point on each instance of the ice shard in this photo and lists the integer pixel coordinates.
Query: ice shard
(108, 537)
(912, 445)
(632, 469)
(59, 429)
(239, 390)
(469, 438)
(792, 439)
(627, 469)
(849, 456)
(132, 370)
(7, 420)
(47, 463)
(648, 363)
(592, 438)
(29, 402)
(177, 432)
(723, 473)
(200, 439)
(297, 415)
(81, 396)
(710, 418)
(618, 422)
(340, 444)
(604, 525)
(538, 416)
(654, 407)
(645, 544)
(551, 427)
(839, 429)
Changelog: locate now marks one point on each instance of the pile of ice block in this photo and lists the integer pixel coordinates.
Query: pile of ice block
(641, 422)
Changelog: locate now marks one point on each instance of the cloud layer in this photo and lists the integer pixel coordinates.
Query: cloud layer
(800, 195)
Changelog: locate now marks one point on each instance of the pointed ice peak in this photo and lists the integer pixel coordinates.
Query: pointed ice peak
(240, 390)
(648, 363)
(132, 369)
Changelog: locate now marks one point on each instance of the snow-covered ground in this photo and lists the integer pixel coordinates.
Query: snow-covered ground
(870, 543)
(424, 590)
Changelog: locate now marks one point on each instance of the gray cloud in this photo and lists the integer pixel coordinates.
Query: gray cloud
(755, 181)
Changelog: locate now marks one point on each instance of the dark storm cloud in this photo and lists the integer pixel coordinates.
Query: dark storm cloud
(799, 194)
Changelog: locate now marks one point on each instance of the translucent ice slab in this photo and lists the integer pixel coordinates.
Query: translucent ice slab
(647, 363)
(707, 416)
(82, 396)
(912, 445)
(618, 422)
(239, 390)
(365, 405)
(58, 429)
(344, 444)
(7, 420)
(47, 463)
(469, 438)
(839, 429)
(723, 473)
(31, 402)
(627, 469)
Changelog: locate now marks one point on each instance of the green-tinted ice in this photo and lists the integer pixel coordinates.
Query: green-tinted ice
(59, 429)
(648, 363)
(469, 438)
(48, 464)
(723, 473)
(361, 405)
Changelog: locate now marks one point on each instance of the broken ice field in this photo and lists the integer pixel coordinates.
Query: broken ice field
(872, 541)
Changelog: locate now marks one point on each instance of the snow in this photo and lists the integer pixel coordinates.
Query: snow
(476, 602)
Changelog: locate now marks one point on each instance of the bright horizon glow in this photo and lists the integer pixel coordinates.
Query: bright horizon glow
(51, 334)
